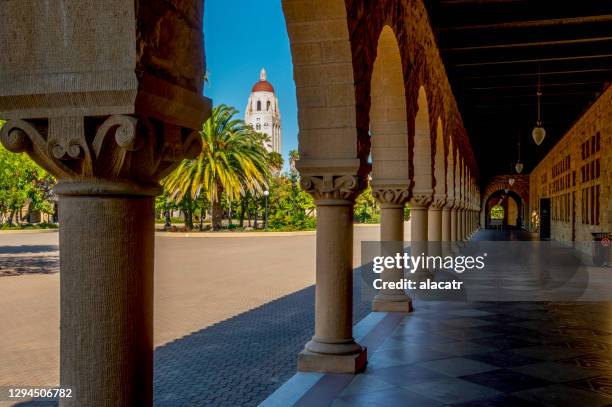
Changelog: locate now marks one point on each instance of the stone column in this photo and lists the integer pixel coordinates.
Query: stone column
(106, 250)
(460, 222)
(106, 284)
(419, 204)
(464, 223)
(434, 225)
(392, 202)
(434, 218)
(454, 222)
(447, 220)
(109, 116)
(332, 348)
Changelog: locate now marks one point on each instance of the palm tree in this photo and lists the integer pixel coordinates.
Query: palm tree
(275, 161)
(233, 161)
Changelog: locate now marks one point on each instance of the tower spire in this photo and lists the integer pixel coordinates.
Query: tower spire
(262, 74)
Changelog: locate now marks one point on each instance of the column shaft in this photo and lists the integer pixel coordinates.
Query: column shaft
(446, 225)
(106, 352)
(434, 224)
(332, 348)
(392, 239)
(454, 225)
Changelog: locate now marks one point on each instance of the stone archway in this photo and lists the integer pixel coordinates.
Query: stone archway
(390, 158)
(110, 86)
(513, 208)
(520, 189)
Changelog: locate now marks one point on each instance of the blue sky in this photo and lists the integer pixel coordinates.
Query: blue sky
(243, 36)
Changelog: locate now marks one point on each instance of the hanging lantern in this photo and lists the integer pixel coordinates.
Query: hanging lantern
(506, 190)
(538, 132)
(519, 165)
(511, 181)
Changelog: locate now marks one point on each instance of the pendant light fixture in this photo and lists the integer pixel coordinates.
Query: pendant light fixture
(511, 181)
(538, 132)
(519, 165)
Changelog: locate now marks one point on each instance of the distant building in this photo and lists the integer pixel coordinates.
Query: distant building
(263, 114)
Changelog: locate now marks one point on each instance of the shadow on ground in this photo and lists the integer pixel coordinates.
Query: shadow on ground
(239, 361)
(28, 248)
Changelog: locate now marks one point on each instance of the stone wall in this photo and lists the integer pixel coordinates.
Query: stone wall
(578, 181)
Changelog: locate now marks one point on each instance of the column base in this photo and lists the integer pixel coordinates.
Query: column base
(395, 303)
(329, 363)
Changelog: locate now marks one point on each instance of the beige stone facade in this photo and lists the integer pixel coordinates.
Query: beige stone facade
(577, 176)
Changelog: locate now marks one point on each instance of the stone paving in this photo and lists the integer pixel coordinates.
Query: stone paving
(203, 292)
(482, 354)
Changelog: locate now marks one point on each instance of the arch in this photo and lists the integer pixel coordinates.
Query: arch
(388, 122)
(325, 88)
(499, 183)
(421, 156)
(439, 162)
(512, 204)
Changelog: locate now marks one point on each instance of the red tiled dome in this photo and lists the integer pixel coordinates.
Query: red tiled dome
(263, 86)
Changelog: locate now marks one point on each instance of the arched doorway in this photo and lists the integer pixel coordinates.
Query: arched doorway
(504, 210)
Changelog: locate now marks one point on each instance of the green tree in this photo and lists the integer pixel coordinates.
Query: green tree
(275, 161)
(366, 208)
(289, 208)
(233, 162)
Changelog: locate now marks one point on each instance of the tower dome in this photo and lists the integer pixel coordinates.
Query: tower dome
(262, 112)
(263, 85)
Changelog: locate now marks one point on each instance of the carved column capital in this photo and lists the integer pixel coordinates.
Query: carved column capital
(118, 154)
(391, 196)
(332, 189)
(438, 202)
(421, 199)
(450, 204)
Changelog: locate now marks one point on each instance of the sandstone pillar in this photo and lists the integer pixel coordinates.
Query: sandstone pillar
(106, 329)
(447, 221)
(460, 222)
(392, 202)
(464, 224)
(419, 204)
(109, 106)
(332, 348)
(434, 219)
(454, 223)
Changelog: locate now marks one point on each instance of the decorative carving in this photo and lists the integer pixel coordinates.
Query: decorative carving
(123, 149)
(438, 202)
(390, 195)
(421, 199)
(450, 204)
(329, 188)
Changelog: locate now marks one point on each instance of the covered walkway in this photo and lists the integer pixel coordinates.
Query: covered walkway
(409, 98)
(472, 354)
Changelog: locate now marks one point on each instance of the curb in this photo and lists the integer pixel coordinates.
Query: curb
(26, 231)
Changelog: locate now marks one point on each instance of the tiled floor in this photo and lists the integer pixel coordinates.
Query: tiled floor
(452, 353)
(507, 354)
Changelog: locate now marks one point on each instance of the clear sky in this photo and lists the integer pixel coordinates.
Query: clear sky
(243, 36)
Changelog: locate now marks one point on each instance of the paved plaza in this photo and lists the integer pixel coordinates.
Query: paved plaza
(242, 305)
